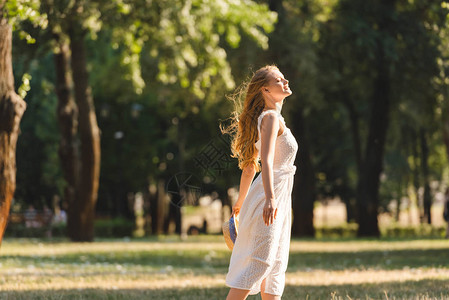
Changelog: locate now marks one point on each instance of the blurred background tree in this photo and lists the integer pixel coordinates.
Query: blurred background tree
(12, 105)
(383, 62)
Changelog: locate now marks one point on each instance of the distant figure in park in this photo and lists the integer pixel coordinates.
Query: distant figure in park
(260, 254)
(30, 216)
(60, 217)
(47, 215)
(446, 211)
(47, 218)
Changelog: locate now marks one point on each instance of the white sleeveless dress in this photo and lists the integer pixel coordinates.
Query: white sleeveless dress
(262, 251)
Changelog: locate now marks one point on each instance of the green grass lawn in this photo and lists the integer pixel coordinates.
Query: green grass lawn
(168, 268)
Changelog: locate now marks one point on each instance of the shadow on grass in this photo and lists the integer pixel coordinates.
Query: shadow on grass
(424, 289)
(196, 259)
(218, 261)
(388, 260)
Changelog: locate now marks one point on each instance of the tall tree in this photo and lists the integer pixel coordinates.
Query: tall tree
(441, 82)
(399, 26)
(67, 112)
(375, 44)
(427, 200)
(80, 135)
(12, 108)
(82, 210)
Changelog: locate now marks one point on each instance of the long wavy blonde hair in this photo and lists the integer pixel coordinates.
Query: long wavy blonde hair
(243, 126)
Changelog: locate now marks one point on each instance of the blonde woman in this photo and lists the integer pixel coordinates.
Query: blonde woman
(260, 255)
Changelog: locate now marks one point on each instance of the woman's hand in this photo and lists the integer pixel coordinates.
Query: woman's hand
(236, 208)
(269, 212)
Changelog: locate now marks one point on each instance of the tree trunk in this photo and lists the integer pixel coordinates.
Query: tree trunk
(351, 211)
(370, 170)
(174, 211)
(415, 173)
(427, 198)
(347, 196)
(398, 202)
(12, 108)
(303, 195)
(159, 210)
(82, 213)
(446, 131)
(354, 130)
(68, 122)
(174, 215)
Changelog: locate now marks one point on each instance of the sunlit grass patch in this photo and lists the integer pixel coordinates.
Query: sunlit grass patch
(170, 268)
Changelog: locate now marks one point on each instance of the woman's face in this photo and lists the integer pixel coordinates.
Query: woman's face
(277, 87)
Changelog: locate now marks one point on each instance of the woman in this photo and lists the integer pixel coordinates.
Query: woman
(260, 255)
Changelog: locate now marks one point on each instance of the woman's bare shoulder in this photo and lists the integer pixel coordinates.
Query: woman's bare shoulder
(270, 118)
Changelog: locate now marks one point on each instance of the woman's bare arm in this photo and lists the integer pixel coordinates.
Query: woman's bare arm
(269, 131)
(245, 182)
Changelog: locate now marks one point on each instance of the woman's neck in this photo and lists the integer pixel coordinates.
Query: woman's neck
(277, 107)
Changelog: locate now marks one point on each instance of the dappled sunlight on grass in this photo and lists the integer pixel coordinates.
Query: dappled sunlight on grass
(160, 268)
(350, 245)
